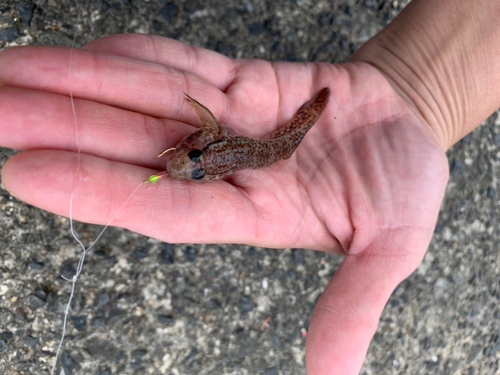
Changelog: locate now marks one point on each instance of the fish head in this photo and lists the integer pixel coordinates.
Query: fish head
(186, 161)
(186, 164)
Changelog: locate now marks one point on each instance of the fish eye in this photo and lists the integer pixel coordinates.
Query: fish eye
(195, 155)
(197, 173)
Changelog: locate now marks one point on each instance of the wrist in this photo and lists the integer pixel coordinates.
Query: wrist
(441, 58)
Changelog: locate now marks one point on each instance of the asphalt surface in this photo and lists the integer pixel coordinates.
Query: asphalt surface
(145, 307)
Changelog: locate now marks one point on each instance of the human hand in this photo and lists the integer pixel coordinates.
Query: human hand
(366, 181)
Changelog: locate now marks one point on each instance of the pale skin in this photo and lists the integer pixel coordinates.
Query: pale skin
(366, 182)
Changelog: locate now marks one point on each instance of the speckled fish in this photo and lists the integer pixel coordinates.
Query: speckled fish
(214, 151)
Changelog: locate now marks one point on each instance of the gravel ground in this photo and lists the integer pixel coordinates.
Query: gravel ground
(146, 307)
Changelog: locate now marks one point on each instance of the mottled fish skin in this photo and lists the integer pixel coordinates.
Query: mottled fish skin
(211, 152)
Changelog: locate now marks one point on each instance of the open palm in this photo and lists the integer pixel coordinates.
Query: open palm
(366, 181)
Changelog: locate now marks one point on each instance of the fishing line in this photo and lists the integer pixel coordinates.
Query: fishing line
(75, 176)
(79, 268)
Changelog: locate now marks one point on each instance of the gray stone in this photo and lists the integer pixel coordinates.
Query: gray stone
(103, 300)
(138, 353)
(169, 11)
(245, 303)
(9, 34)
(30, 341)
(101, 348)
(69, 364)
(25, 11)
(79, 322)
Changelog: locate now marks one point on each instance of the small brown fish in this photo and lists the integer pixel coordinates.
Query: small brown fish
(214, 151)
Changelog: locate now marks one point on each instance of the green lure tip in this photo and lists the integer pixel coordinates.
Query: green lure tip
(152, 178)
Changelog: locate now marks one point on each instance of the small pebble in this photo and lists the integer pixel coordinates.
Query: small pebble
(100, 348)
(69, 364)
(136, 365)
(67, 269)
(292, 57)
(325, 47)
(7, 335)
(166, 319)
(79, 322)
(213, 303)
(297, 256)
(140, 254)
(166, 255)
(325, 19)
(278, 46)
(25, 11)
(6, 21)
(255, 28)
(497, 139)
(29, 341)
(41, 293)
(97, 322)
(169, 11)
(36, 302)
(138, 353)
(115, 312)
(245, 304)
(492, 193)
(35, 265)
(104, 6)
(191, 253)
(103, 300)
(223, 48)
(9, 34)
(457, 167)
(3, 289)
(192, 353)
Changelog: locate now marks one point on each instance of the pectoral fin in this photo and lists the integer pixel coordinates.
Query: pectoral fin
(204, 114)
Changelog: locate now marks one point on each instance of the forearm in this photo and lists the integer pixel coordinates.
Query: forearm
(443, 56)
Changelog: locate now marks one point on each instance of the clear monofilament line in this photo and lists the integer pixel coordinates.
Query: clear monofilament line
(75, 177)
(80, 266)
(75, 277)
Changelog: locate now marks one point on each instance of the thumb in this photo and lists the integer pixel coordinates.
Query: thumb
(347, 313)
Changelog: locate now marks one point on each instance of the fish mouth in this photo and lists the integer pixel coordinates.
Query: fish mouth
(183, 169)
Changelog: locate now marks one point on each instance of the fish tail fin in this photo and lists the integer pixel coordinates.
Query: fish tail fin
(305, 117)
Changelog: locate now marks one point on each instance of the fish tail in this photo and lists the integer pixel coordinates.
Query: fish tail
(305, 117)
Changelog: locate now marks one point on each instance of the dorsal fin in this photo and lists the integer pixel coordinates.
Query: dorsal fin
(204, 114)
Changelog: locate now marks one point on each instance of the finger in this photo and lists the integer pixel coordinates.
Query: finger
(136, 85)
(39, 120)
(251, 84)
(209, 65)
(347, 314)
(171, 210)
